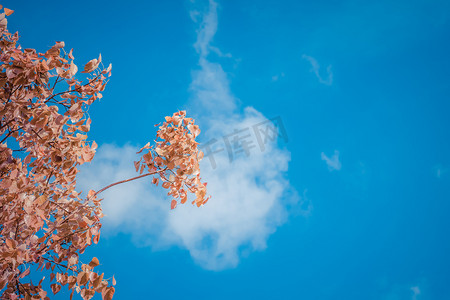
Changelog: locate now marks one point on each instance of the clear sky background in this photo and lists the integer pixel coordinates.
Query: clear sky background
(351, 203)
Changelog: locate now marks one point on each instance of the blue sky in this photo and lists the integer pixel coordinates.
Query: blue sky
(352, 205)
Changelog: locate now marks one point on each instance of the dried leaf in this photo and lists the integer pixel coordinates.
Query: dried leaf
(173, 204)
(91, 66)
(70, 55)
(59, 45)
(147, 146)
(108, 293)
(8, 11)
(94, 262)
(55, 288)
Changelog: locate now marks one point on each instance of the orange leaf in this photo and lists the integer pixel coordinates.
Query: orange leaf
(91, 193)
(97, 281)
(173, 204)
(81, 278)
(59, 44)
(96, 238)
(108, 293)
(8, 11)
(94, 262)
(147, 146)
(55, 288)
(91, 66)
(10, 243)
(71, 54)
(200, 155)
(25, 273)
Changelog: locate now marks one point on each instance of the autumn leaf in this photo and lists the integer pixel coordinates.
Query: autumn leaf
(108, 293)
(70, 55)
(59, 45)
(147, 146)
(73, 69)
(25, 273)
(94, 262)
(91, 66)
(82, 278)
(8, 11)
(173, 204)
(97, 281)
(3, 24)
(55, 288)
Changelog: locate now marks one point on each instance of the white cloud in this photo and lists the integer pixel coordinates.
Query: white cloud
(207, 28)
(137, 206)
(277, 77)
(220, 53)
(416, 292)
(333, 163)
(315, 68)
(250, 194)
(439, 170)
(391, 289)
(212, 90)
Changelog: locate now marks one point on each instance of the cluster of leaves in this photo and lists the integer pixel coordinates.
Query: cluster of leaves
(44, 221)
(175, 158)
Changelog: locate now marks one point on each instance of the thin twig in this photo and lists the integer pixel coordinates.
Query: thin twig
(127, 180)
(75, 89)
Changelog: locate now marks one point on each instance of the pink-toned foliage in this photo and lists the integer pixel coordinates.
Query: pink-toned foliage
(45, 223)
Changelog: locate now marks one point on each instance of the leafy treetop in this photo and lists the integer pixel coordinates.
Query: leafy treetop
(44, 220)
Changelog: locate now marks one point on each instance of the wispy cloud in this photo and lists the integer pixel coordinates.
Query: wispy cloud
(333, 163)
(439, 170)
(207, 29)
(250, 195)
(278, 76)
(391, 289)
(416, 292)
(315, 68)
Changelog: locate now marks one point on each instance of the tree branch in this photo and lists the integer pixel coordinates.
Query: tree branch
(75, 89)
(127, 180)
